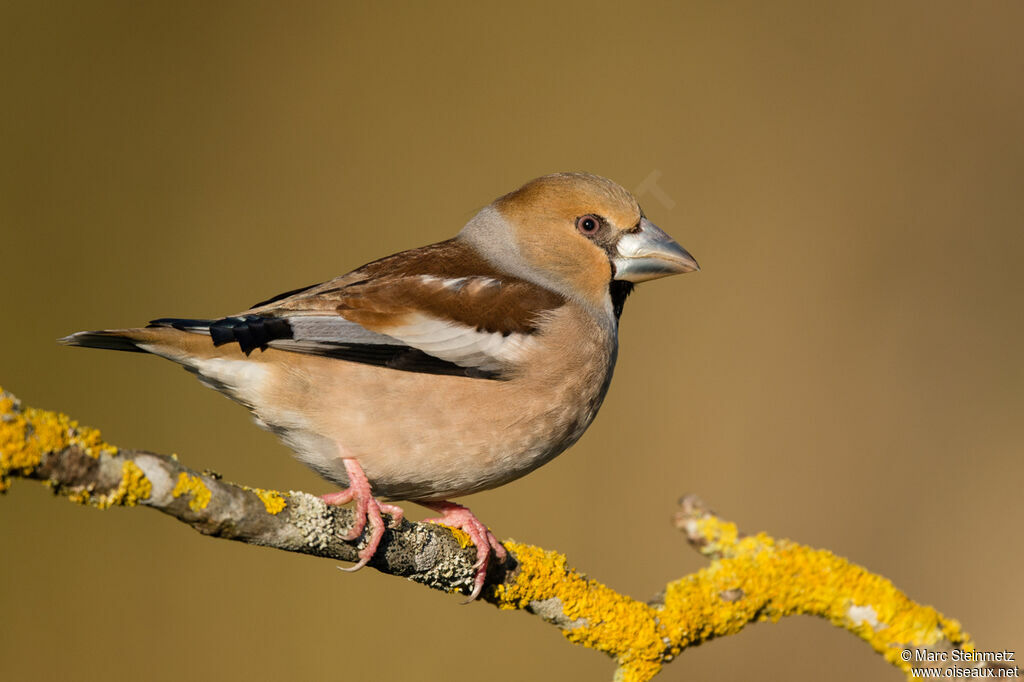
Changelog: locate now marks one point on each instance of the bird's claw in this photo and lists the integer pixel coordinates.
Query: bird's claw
(456, 516)
(368, 510)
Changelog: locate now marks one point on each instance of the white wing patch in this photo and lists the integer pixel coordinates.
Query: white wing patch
(461, 344)
(471, 284)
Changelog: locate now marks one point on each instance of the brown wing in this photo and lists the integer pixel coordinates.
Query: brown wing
(438, 308)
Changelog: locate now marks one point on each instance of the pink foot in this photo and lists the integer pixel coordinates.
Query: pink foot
(368, 508)
(457, 516)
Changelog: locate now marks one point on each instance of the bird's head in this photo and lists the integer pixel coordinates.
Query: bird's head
(579, 234)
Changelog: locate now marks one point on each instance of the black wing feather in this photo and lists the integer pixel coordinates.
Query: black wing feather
(286, 294)
(402, 358)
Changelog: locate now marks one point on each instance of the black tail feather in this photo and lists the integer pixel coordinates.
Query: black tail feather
(107, 340)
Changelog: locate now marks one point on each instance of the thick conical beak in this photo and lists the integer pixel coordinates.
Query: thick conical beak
(649, 253)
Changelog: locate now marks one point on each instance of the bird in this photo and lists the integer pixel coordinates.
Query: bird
(443, 370)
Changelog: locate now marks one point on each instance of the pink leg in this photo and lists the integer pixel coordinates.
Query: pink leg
(367, 509)
(457, 516)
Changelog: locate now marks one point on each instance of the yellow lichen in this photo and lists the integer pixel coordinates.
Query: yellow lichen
(461, 536)
(27, 435)
(80, 496)
(193, 486)
(603, 619)
(133, 488)
(272, 500)
(719, 535)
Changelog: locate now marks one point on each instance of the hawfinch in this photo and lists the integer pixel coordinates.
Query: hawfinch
(443, 370)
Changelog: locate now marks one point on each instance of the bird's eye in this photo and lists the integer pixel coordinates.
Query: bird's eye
(588, 224)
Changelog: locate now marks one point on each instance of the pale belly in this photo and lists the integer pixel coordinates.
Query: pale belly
(462, 436)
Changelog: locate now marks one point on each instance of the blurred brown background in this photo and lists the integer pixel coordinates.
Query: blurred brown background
(846, 371)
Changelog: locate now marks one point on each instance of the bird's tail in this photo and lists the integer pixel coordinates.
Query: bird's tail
(187, 342)
(108, 339)
(160, 335)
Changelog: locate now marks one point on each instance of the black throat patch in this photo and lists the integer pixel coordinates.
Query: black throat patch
(619, 290)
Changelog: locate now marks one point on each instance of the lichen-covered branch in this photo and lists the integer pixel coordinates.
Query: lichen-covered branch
(750, 579)
(764, 579)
